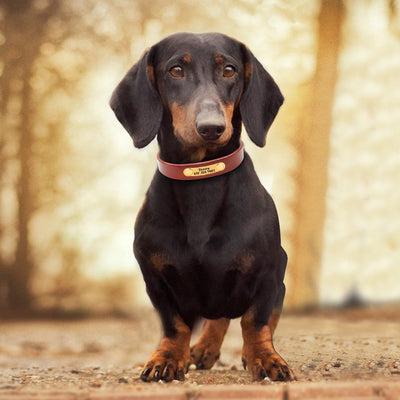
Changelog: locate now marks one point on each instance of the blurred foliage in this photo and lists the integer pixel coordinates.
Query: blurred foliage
(50, 149)
(70, 183)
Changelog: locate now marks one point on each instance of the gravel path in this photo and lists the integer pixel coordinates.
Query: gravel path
(107, 354)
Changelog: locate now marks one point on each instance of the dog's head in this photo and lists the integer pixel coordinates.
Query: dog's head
(198, 88)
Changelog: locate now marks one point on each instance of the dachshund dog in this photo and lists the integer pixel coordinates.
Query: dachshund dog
(207, 237)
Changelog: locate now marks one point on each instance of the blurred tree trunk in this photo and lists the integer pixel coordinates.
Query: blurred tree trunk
(23, 29)
(18, 292)
(4, 96)
(394, 16)
(313, 149)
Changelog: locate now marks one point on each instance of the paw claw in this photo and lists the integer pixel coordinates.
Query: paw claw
(263, 374)
(145, 374)
(168, 374)
(180, 375)
(157, 372)
(281, 376)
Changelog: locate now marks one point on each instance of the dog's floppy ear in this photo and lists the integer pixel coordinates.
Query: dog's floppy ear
(137, 104)
(260, 101)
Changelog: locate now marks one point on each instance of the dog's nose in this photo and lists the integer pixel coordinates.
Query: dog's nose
(210, 122)
(210, 128)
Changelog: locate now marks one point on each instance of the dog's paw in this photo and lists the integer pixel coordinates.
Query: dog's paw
(171, 359)
(166, 366)
(263, 363)
(204, 355)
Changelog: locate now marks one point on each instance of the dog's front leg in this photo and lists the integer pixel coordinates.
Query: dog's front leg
(171, 359)
(259, 354)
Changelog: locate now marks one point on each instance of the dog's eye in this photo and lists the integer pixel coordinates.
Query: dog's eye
(229, 71)
(177, 71)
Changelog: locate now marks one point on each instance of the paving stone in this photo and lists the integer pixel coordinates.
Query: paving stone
(242, 392)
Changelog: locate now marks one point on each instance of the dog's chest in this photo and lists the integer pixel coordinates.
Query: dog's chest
(202, 208)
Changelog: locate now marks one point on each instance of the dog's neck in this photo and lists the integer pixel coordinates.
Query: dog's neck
(173, 151)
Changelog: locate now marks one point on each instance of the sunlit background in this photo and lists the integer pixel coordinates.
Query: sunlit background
(72, 183)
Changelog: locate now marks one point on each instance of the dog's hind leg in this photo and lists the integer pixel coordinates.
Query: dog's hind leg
(276, 312)
(206, 351)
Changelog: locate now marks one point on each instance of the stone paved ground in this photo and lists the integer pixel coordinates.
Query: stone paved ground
(349, 355)
(369, 390)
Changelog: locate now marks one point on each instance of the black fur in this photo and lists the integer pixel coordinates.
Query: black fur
(201, 231)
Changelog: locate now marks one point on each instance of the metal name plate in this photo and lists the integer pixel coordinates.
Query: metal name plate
(207, 170)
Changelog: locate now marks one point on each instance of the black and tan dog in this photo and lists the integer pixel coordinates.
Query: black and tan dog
(207, 237)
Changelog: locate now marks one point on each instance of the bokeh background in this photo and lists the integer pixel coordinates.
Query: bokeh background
(71, 182)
